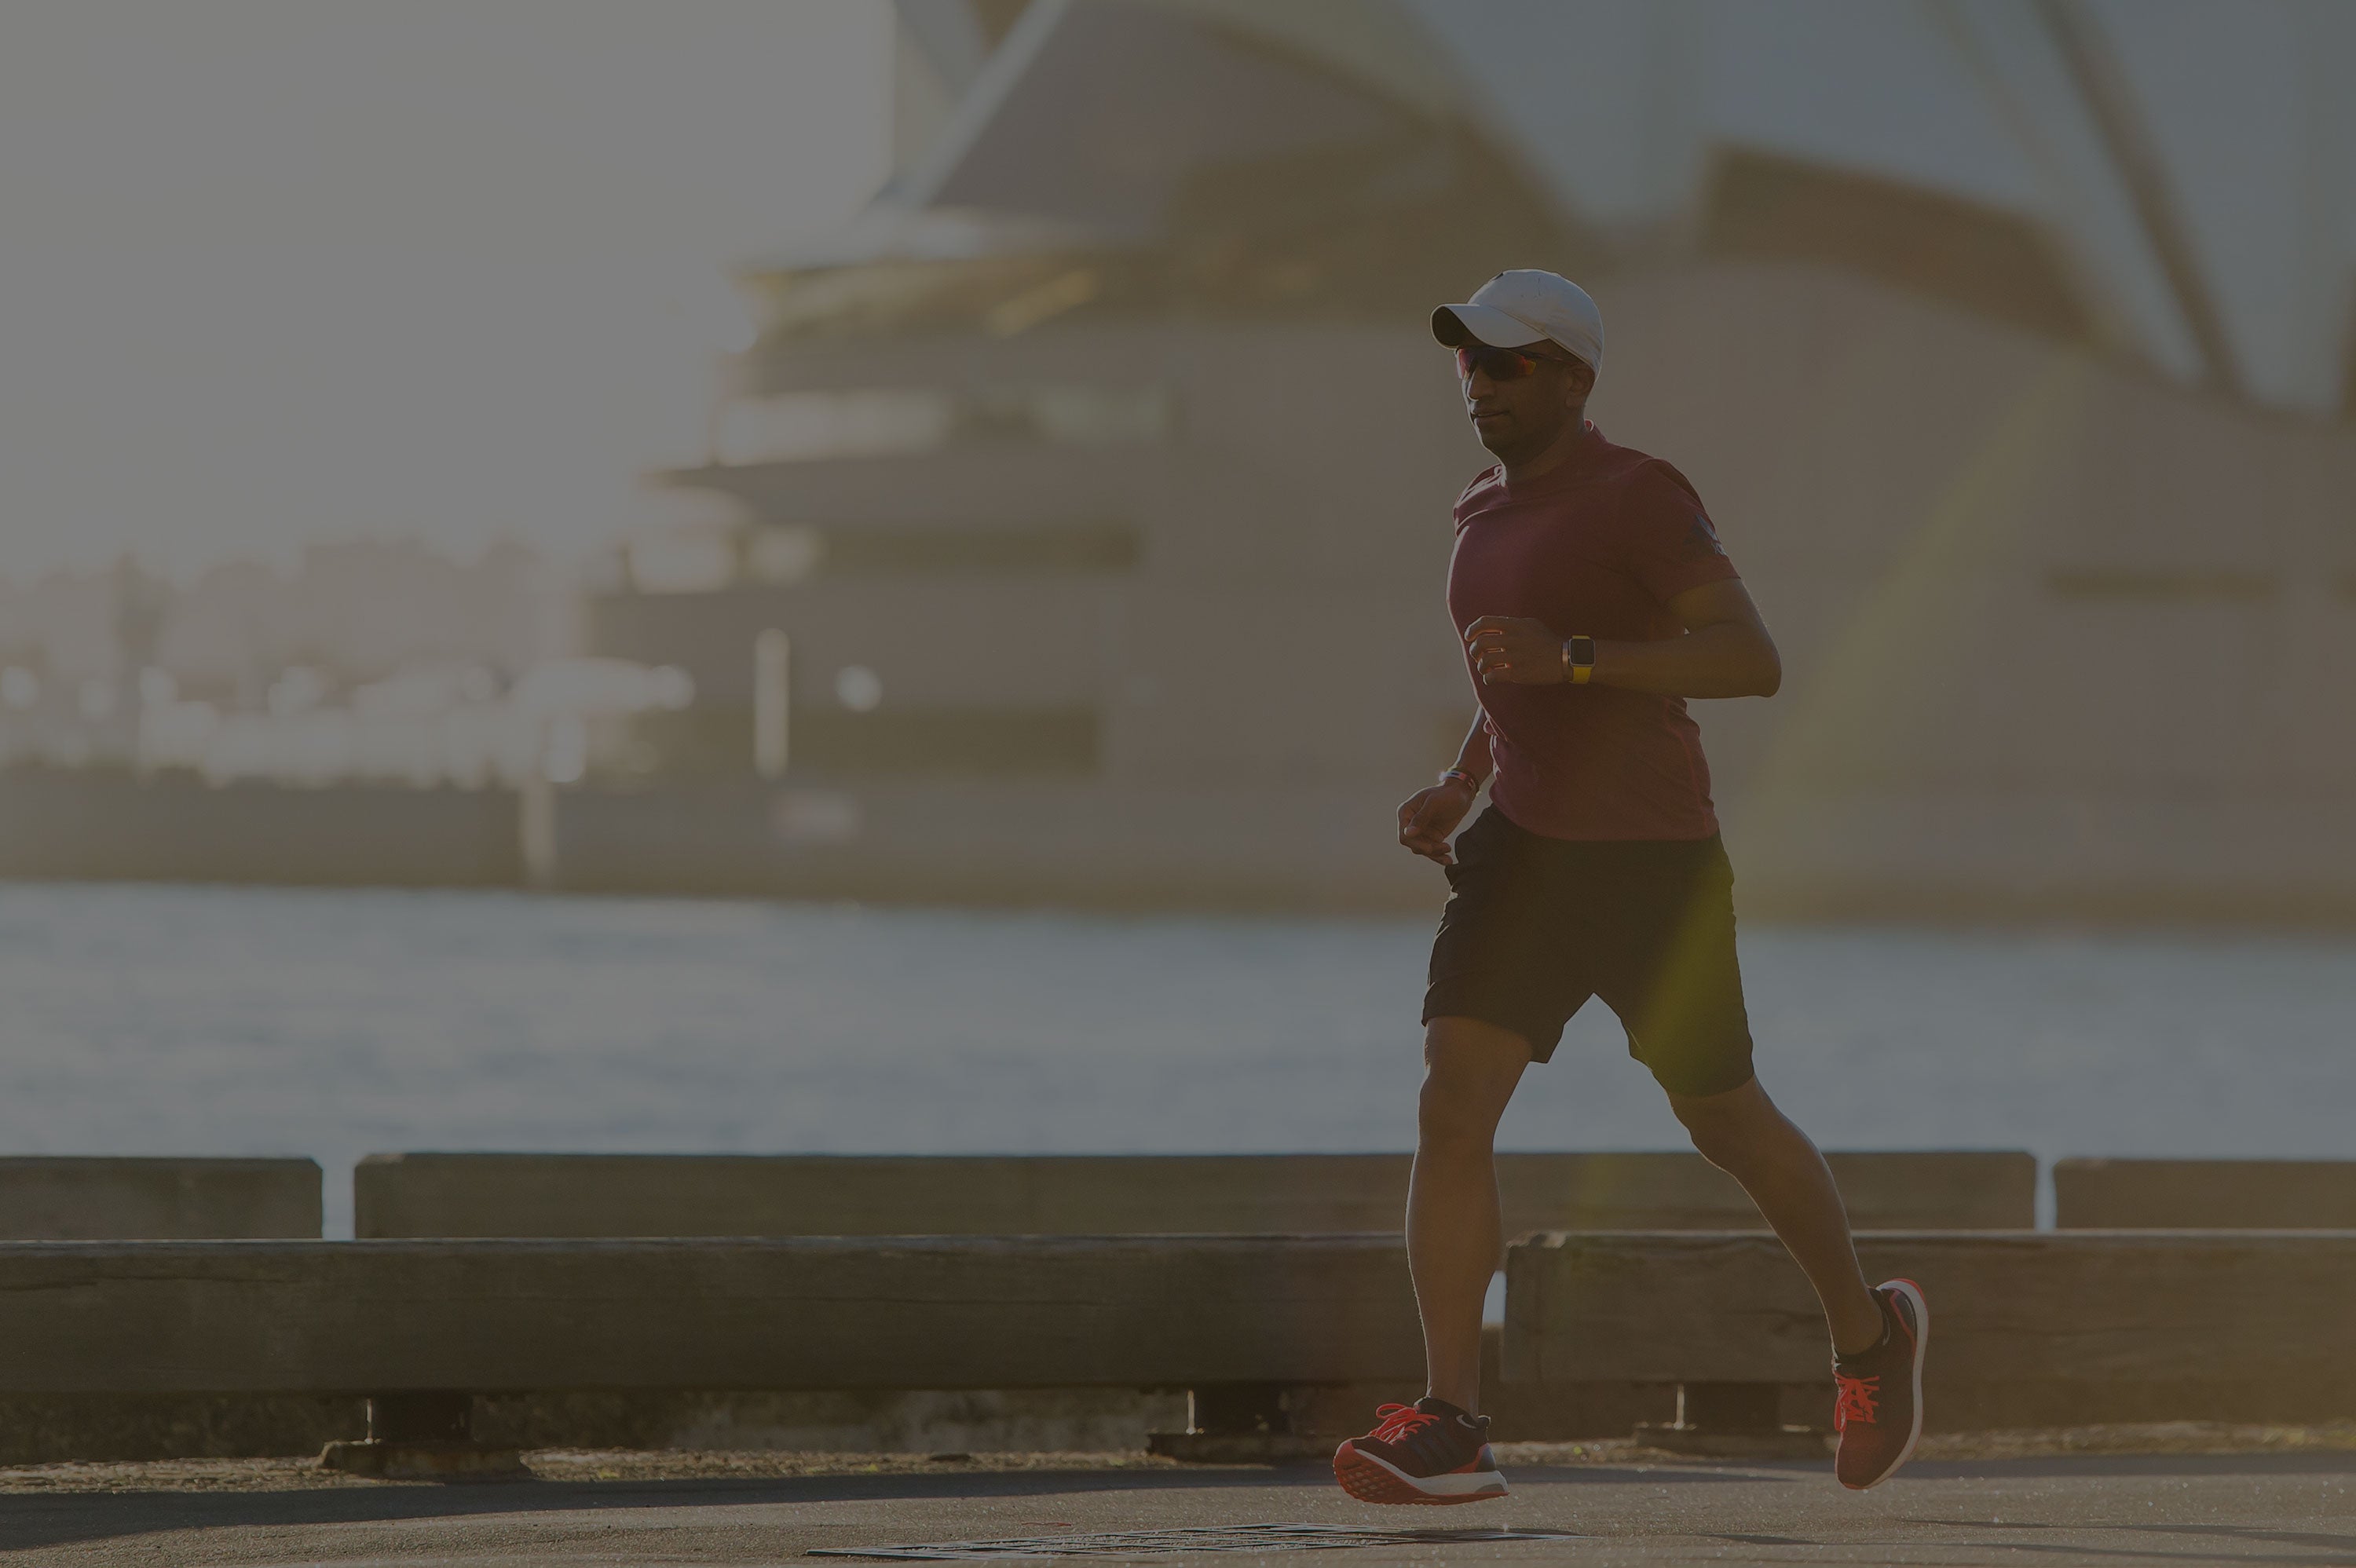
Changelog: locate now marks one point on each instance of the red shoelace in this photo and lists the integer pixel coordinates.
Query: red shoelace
(1396, 1422)
(1855, 1401)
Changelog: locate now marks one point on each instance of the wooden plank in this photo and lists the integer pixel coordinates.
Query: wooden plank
(2256, 1308)
(419, 1195)
(1904, 1191)
(105, 1198)
(2205, 1194)
(877, 1195)
(812, 1313)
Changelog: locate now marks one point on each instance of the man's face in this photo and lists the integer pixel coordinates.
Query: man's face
(1521, 400)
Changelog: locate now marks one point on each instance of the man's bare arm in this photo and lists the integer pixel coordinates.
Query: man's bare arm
(1472, 756)
(1427, 816)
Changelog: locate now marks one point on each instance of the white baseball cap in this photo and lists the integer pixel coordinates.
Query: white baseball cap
(1521, 307)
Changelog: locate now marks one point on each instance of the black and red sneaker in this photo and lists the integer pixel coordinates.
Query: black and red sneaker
(1877, 1408)
(1427, 1452)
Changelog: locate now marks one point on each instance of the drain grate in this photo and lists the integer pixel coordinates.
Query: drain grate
(1214, 1538)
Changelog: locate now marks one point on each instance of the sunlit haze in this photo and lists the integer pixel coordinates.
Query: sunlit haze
(274, 272)
(954, 779)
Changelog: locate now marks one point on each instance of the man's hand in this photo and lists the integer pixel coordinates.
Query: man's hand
(1515, 650)
(1430, 816)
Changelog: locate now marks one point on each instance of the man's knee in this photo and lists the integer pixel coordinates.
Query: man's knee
(1726, 1127)
(1447, 1115)
(1469, 1072)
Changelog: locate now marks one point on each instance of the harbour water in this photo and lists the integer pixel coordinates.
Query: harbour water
(139, 1020)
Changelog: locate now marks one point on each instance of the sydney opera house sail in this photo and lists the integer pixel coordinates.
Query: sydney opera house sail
(1097, 475)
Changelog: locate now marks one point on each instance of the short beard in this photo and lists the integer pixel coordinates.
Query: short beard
(1511, 451)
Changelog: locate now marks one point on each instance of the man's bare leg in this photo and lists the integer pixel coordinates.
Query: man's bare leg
(1454, 1232)
(1742, 1133)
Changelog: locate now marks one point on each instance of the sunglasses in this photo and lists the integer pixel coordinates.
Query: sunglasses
(1500, 363)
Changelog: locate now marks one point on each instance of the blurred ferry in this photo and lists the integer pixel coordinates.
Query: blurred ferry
(1075, 528)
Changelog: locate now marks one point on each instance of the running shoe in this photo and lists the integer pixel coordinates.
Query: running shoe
(1427, 1452)
(1878, 1407)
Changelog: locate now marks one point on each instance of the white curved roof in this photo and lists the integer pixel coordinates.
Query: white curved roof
(2194, 159)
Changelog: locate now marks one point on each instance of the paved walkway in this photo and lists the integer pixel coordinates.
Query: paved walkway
(2289, 1508)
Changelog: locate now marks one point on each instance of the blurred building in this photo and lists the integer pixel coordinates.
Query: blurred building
(367, 662)
(1098, 476)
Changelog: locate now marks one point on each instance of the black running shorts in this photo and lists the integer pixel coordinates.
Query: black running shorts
(1534, 926)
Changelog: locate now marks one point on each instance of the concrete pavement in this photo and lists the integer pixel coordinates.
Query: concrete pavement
(2287, 1508)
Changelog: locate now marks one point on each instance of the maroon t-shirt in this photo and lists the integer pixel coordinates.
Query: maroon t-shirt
(1597, 546)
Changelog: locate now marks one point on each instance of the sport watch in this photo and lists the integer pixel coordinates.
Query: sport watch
(1578, 659)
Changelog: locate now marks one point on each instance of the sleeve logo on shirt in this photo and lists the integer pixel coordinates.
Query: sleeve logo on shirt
(1701, 539)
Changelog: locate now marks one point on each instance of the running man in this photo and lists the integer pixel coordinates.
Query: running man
(1592, 598)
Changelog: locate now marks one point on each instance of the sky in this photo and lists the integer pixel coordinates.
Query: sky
(275, 270)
